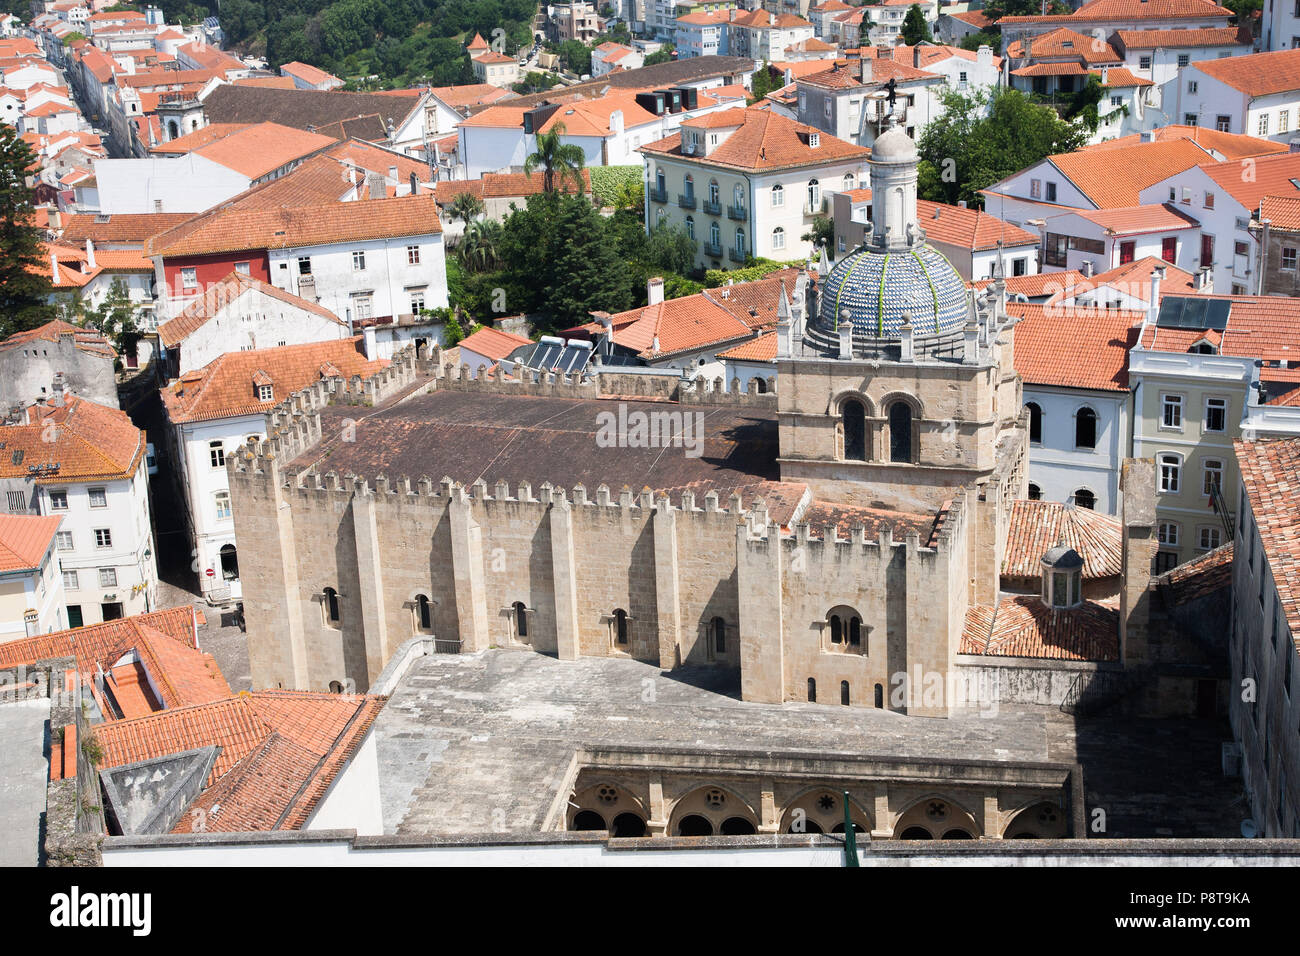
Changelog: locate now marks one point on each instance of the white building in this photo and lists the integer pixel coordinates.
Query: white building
(213, 411)
(1256, 95)
(240, 314)
(772, 174)
(1098, 240)
(89, 463)
(31, 593)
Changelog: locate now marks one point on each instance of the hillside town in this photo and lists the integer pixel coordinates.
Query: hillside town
(777, 433)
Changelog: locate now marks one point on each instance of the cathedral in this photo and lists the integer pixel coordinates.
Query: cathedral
(824, 538)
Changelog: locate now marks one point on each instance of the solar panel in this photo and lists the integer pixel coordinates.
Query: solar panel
(1193, 312)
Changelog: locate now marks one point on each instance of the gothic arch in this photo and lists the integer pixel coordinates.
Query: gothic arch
(818, 819)
(698, 802)
(1037, 820)
(955, 817)
(610, 801)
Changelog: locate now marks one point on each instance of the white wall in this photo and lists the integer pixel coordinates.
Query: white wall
(187, 183)
(352, 802)
(1225, 223)
(1057, 467)
(387, 276)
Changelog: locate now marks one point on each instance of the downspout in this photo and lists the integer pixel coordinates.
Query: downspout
(1261, 256)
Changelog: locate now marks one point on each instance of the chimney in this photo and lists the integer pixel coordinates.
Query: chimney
(654, 291)
(961, 204)
(1087, 268)
(56, 218)
(884, 52)
(1294, 146)
(916, 56)
(1147, 136)
(616, 122)
(1204, 279)
(415, 185)
(1153, 305)
(1137, 551)
(90, 253)
(1105, 75)
(371, 342)
(54, 267)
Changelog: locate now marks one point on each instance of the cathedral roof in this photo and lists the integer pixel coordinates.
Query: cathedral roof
(880, 288)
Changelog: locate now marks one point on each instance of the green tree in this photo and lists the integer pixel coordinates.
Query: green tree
(965, 150)
(587, 274)
(630, 194)
(25, 288)
(115, 318)
(662, 55)
(974, 41)
(915, 29)
(558, 161)
(479, 248)
(762, 83)
(1083, 103)
(997, 9)
(452, 333)
(669, 249)
(465, 206)
(822, 233)
(576, 57)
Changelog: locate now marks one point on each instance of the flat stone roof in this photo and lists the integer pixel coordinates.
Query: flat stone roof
(24, 773)
(475, 744)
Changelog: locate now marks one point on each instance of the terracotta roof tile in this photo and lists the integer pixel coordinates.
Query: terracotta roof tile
(1064, 42)
(1035, 527)
(1257, 74)
(1263, 327)
(1202, 576)
(85, 339)
(251, 150)
(1137, 10)
(1023, 627)
(759, 349)
(25, 540)
(493, 343)
(1175, 39)
(88, 441)
(767, 140)
(1073, 348)
(224, 387)
(1269, 176)
(968, 228)
(1127, 170)
(101, 645)
(1270, 476)
(218, 295)
(1282, 212)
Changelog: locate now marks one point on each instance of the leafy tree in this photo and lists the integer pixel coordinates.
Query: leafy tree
(1244, 9)
(1083, 104)
(974, 41)
(822, 233)
(997, 9)
(964, 151)
(587, 273)
(535, 82)
(558, 161)
(452, 333)
(762, 83)
(24, 282)
(669, 249)
(915, 29)
(479, 248)
(241, 19)
(630, 194)
(576, 57)
(115, 318)
(662, 55)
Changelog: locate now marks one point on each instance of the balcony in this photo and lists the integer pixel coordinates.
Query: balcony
(686, 201)
(737, 213)
(712, 207)
(736, 255)
(817, 208)
(713, 249)
(658, 195)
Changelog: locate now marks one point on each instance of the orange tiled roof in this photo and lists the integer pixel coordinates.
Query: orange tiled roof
(1269, 176)
(499, 186)
(101, 645)
(1270, 476)
(1037, 286)
(224, 388)
(308, 73)
(1202, 576)
(1135, 279)
(767, 140)
(252, 150)
(1035, 527)
(1120, 77)
(492, 343)
(1074, 348)
(1133, 220)
(1064, 42)
(1166, 39)
(1282, 212)
(1024, 627)
(1127, 170)
(88, 440)
(221, 294)
(1259, 326)
(968, 228)
(1137, 10)
(1257, 74)
(1228, 145)
(759, 349)
(233, 229)
(25, 540)
(86, 339)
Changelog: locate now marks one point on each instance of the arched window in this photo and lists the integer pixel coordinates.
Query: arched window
(778, 195)
(837, 629)
(1084, 498)
(1085, 428)
(331, 605)
(689, 184)
(719, 628)
(714, 196)
(880, 697)
(715, 235)
(690, 226)
(849, 181)
(760, 384)
(740, 242)
(778, 238)
(855, 632)
(172, 129)
(812, 691)
(423, 613)
(620, 626)
(844, 693)
(900, 432)
(521, 619)
(853, 415)
(1035, 423)
(1035, 493)
(229, 562)
(336, 687)
(814, 196)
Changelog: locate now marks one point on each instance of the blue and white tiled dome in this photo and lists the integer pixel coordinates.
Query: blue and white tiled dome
(879, 288)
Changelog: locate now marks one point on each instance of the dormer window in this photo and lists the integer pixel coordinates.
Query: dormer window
(265, 393)
(1062, 578)
(263, 386)
(814, 140)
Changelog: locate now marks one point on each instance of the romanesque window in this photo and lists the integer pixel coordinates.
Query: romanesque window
(331, 606)
(880, 697)
(423, 613)
(1083, 498)
(853, 417)
(620, 627)
(1085, 428)
(719, 632)
(1035, 423)
(900, 432)
(1035, 492)
(521, 620)
(812, 690)
(844, 693)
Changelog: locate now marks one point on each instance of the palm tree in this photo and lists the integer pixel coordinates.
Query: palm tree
(558, 161)
(478, 248)
(465, 206)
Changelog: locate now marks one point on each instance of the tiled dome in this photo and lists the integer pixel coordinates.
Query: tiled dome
(878, 288)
